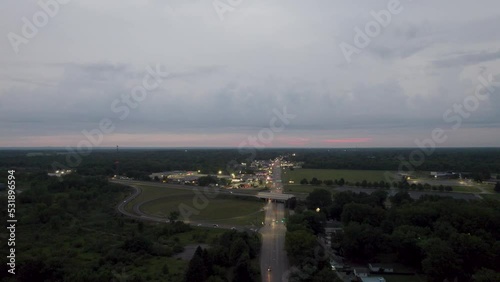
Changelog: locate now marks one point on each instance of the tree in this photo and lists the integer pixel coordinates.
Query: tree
(238, 248)
(300, 244)
(497, 187)
(380, 196)
(326, 274)
(362, 241)
(304, 181)
(173, 216)
(314, 221)
(400, 198)
(486, 275)
(319, 198)
(196, 271)
(440, 262)
(137, 244)
(362, 213)
(164, 269)
(243, 271)
(341, 182)
(315, 181)
(291, 203)
(405, 240)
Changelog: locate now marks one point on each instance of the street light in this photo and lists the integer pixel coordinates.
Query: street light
(318, 209)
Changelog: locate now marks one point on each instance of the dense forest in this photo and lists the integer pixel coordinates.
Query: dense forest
(139, 163)
(444, 159)
(310, 263)
(236, 251)
(69, 230)
(441, 237)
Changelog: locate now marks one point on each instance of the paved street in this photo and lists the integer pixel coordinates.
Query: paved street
(273, 253)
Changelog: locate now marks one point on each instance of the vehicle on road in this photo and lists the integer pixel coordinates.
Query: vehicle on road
(216, 225)
(269, 268)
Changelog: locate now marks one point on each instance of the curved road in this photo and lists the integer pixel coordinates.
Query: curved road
(138, 214)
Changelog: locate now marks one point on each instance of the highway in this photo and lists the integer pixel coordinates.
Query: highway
(273, 233)
(138, 214)
(273, 255)
(184, 187)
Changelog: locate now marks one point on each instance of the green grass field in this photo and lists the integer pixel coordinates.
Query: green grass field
(467, 189)
(306, 189)
(160, 201)
(353, 176)
(325, 174)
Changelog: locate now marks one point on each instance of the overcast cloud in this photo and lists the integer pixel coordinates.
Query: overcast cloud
(227, 76)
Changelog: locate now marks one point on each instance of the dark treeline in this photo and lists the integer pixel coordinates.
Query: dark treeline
(127, 162)
(232, 257)
(382, 184)
(450, 159)
(138, 163)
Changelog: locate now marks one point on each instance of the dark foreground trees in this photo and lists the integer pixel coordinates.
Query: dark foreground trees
(446, 239)
(231, 258)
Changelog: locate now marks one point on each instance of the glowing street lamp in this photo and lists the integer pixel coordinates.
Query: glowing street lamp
(318, 209)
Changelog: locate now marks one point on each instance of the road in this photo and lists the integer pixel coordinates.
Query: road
(138, 214)
(184, 187)
(273, 253)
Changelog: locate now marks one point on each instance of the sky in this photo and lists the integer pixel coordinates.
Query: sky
(241, 73)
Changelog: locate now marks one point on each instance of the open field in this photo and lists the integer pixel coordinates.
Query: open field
(495, 196)
(467, 189)
(160, 201)
(324, 174)
(353, 176)
(224, 211)
(153, 192)
(295, 189)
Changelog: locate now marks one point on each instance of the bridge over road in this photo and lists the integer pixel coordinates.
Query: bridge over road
(275, 196)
